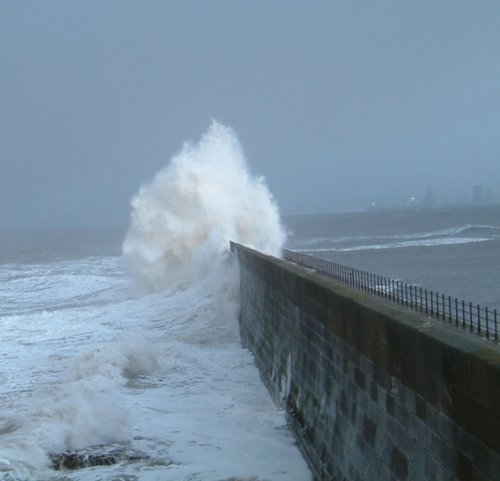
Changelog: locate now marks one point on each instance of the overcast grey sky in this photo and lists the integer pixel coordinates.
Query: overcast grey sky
(334, 102)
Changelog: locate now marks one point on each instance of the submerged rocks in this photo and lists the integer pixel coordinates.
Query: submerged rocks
(79, 461)
(88, 458)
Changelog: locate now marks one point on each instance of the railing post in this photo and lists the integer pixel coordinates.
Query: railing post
(495, 324)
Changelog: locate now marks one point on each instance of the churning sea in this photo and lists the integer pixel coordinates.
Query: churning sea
(158, 382)
(129, 367)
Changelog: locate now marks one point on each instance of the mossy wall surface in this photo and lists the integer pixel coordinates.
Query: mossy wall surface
(373, 391)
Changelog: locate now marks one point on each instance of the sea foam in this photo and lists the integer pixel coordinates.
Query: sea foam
(182, 222)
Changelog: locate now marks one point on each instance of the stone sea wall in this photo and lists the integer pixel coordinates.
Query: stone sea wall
(372, 391)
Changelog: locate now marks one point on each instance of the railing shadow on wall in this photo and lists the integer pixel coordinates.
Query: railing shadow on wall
(466, 315)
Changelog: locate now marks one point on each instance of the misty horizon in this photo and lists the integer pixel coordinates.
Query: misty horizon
(339, 106)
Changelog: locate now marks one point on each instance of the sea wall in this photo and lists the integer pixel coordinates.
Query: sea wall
(372, 391)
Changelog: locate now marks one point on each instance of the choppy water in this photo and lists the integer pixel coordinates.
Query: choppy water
(455, 250)
(160, 380)
(157, 383)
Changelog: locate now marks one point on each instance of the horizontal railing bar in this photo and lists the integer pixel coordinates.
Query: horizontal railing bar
(473, 318)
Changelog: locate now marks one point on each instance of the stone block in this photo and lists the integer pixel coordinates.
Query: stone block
(483, 372)
(463, 468)
(448, 455)
(369, 430)
(399, 464)
(390, 404)
(420, 408)
(430, 468)
(373, 391)
(359, 378)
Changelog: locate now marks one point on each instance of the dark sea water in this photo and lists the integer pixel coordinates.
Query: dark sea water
(455, 250)
(57, 245)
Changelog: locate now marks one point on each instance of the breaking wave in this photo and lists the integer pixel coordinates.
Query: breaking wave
(182, 221)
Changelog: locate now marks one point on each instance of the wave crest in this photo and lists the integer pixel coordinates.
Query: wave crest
(182, 222)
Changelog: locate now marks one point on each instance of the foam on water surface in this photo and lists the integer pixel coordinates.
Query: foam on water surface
(155, 378)
(162, 375)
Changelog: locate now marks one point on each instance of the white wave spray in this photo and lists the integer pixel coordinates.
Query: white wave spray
(182, 222)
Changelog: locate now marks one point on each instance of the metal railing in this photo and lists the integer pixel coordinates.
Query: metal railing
(470, 317)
